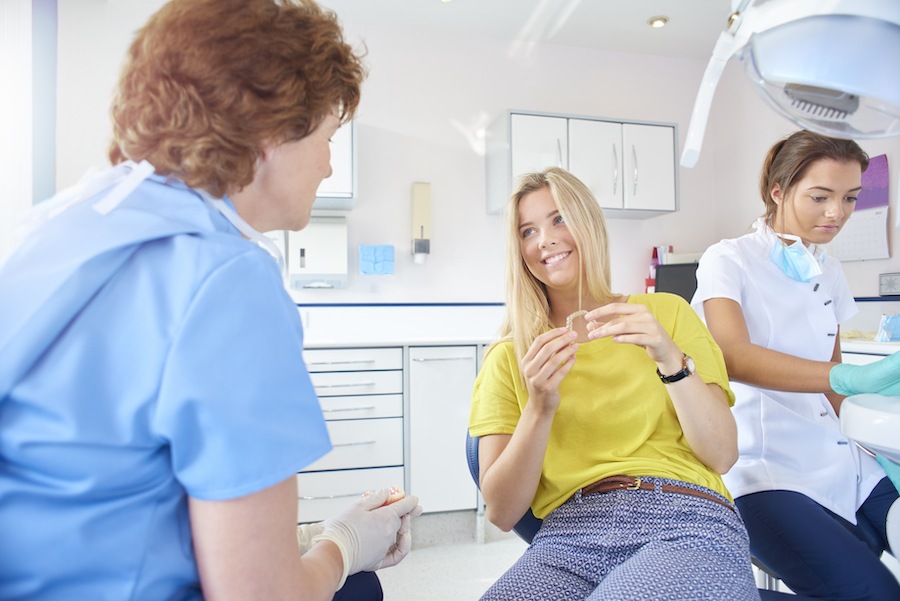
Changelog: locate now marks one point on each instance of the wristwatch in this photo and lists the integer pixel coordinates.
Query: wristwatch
(687, 368)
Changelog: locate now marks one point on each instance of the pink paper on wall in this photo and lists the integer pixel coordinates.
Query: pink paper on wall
(874, 184)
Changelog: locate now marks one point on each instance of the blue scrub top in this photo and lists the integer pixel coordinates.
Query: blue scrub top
(149, 355)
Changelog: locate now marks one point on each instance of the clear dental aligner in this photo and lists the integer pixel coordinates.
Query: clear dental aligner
(571, 318)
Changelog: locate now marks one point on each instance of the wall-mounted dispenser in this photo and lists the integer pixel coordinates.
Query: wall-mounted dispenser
(421, 221)
(317, 254)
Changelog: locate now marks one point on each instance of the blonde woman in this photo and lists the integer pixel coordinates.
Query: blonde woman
(613, 426)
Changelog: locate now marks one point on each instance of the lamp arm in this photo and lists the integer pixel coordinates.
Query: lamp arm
(725, 48)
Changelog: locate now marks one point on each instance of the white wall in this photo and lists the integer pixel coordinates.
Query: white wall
(15, 116)
(424, 108)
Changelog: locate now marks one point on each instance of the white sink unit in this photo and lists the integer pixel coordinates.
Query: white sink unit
(873, 421)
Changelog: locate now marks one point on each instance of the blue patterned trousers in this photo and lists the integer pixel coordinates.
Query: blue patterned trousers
(634, 545)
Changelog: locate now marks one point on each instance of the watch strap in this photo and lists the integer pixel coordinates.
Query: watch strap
(679, 375)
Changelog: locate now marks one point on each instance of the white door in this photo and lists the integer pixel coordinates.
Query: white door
(440, 393)
(595, 157)
(537, 142)
(649, 167)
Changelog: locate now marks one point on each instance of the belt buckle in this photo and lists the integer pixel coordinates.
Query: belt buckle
(635, 485)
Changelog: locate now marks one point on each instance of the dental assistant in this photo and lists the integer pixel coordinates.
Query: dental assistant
(154, 403)
(814, 504)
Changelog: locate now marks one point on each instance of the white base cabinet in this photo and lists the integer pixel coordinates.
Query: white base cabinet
(395, 415)
(361, 394)
(440, 393)
(629, 166)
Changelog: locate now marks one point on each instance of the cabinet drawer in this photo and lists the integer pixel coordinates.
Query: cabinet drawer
(362, 443)
(357, 382)
(323, 494)
(324, 360)
(362, 407)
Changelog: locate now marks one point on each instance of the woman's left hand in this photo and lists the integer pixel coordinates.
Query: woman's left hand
(634, 324)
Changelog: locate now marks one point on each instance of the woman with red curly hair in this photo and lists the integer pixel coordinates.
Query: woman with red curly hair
(154, 402)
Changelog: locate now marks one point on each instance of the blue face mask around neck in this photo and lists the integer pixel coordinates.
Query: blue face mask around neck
(796, 260)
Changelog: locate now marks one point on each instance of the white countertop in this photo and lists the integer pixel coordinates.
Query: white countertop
(399, 325)
(868, 347)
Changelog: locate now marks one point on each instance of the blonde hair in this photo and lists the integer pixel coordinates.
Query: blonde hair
(527, 304)
(206, 83)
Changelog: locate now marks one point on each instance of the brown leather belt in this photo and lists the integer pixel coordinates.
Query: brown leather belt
(634, 483)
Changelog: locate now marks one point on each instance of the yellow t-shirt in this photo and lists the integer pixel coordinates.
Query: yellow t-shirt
(615, 416)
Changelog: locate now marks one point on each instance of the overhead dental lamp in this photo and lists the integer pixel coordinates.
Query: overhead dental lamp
(831, 66)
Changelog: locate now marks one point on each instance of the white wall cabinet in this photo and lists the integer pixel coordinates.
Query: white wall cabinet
(629, 166)
(338, 192)
(440, 393)
(538, 142)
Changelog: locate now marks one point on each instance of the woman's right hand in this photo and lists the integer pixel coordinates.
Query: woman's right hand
(548, 360)
(880, 377)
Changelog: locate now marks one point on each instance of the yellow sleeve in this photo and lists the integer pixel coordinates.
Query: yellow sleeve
(498, 395)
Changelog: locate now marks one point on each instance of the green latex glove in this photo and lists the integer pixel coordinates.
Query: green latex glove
(880, 377)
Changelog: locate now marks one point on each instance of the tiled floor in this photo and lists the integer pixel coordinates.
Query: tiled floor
(446, 563)
(457, 572)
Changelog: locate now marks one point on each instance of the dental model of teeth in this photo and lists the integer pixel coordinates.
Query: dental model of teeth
(397, 493)
(572, 317)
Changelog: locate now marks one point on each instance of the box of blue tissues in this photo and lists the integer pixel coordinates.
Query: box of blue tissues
(376, 259)
(888, 329)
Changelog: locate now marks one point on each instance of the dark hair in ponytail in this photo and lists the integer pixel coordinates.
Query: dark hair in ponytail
(789, 159)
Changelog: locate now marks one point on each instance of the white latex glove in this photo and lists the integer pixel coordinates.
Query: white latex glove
(366, 533)
(400, 549)
(306, 533)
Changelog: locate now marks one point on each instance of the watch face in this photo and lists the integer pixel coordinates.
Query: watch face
(689, 365)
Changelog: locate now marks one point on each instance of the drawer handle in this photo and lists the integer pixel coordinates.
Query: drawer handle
(366, 408)
(350, 385)
(354, 444)
(341, 362)
(327, 497)
(428, 359)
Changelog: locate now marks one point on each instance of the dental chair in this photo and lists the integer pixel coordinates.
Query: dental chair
(873, 421)
(526, 527)
(529, 524)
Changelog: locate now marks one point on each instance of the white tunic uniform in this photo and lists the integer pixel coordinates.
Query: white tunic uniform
(787, 440)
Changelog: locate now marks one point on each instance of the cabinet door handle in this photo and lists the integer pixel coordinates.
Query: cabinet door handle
(634, 156)
(341, 362)
(328, 497)
(350, 385)
(615, 166)
(353, 444)
(430, 359)
(366, 408)
(559, 153)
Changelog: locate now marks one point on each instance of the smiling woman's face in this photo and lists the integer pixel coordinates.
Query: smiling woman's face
(548, 247)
